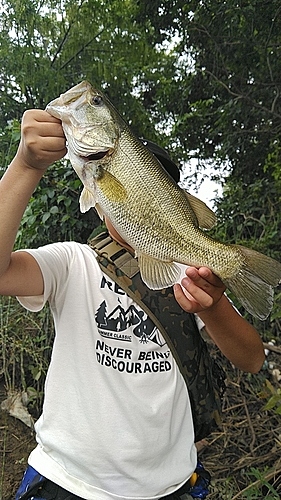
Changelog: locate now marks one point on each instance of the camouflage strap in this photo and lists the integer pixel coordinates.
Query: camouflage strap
(178, 328)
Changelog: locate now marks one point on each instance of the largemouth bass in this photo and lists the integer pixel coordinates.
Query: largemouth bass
(161, 221)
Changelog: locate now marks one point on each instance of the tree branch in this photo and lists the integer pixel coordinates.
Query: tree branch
(59, 49)
(243, 96)
(81, 50)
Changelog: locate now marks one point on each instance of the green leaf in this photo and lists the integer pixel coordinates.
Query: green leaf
(54, 209)
(45, 217)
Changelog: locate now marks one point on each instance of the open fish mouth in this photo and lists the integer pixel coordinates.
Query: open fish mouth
(88, 152)
(95, 156)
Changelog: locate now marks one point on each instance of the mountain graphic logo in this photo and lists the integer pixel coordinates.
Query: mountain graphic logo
(120, 320)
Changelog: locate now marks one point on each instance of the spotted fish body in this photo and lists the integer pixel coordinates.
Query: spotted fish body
(161, 221)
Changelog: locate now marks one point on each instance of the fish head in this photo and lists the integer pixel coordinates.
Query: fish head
(90, 126)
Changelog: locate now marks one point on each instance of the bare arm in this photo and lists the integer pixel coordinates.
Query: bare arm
(42, 143)
(203, 293)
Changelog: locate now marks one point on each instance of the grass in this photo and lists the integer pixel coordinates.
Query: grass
(26, 339)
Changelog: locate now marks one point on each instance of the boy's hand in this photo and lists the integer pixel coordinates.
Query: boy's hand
(201, 290)
(42, 140)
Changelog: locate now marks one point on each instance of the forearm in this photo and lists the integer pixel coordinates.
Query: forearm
(42, 143)
(235, 337)
(16, 188)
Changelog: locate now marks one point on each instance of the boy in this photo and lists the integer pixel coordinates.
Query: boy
(116, 420)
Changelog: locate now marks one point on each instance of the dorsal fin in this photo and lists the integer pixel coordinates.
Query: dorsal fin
(205, 216)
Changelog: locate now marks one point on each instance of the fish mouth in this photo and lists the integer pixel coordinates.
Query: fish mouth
(95, 156)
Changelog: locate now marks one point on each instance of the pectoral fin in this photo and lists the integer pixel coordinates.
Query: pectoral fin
(157, 274)
(96, 176)
(205, 216)
(87, 200)
(110, 186)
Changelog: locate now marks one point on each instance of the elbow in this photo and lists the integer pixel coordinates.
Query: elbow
(257, 363)
(253, 362)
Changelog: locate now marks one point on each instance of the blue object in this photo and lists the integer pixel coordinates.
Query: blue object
(200, 488)
(31, 480)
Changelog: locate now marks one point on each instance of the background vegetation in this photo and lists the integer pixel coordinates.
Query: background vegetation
(200, 78)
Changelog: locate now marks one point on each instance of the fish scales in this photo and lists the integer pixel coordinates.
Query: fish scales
(176, 217)
(126, 182)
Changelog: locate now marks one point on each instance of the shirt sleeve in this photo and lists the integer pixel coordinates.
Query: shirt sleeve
(54, 261)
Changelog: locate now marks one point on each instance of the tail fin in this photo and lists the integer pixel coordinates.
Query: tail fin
(253, 284)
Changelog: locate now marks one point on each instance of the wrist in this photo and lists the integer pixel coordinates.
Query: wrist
(218, 308)
(22, 166)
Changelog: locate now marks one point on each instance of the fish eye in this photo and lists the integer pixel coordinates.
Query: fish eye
(97, 100)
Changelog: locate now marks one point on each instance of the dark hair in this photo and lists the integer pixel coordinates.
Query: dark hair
(164, 158)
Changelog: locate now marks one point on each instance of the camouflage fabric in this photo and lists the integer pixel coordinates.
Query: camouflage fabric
(203, 377)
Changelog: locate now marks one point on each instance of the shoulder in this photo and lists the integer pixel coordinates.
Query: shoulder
(56, 259)
(65, 249)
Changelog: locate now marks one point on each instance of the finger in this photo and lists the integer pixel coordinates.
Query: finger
(194, 277)
(183, 298)
(209, 276)
(39, 115)
(51, 144)
(54, 129)
(38, 145)
(43, 129)
(202, 294)
(204, 277)
(38, 123)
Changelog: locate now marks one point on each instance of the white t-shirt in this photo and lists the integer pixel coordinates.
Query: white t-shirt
(116, 419)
